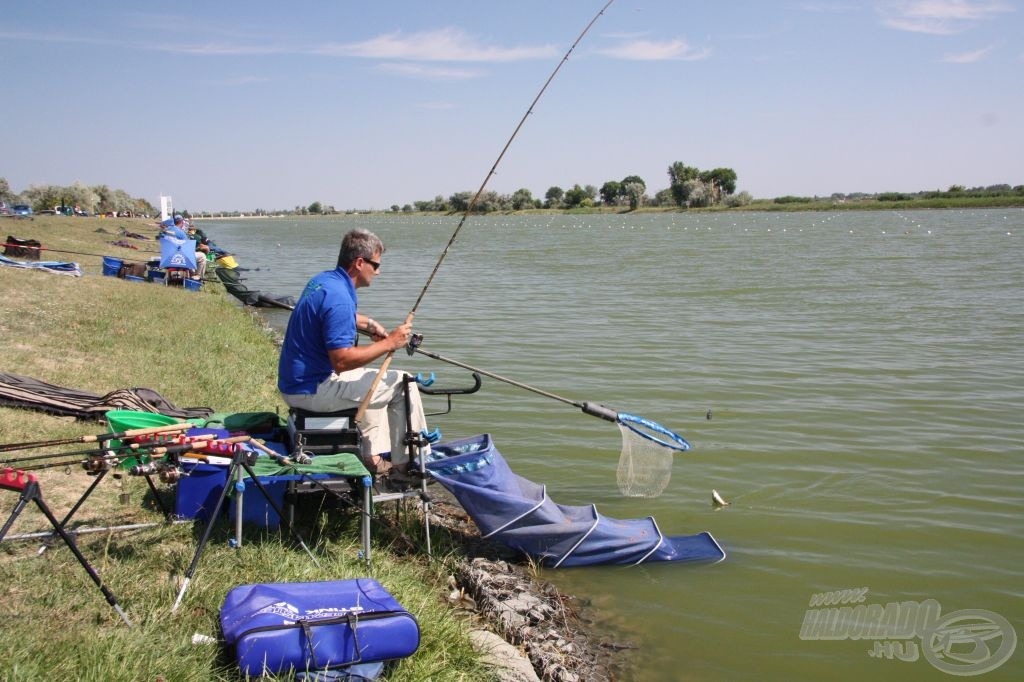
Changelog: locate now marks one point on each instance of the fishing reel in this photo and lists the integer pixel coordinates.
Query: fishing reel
(415, 340)
(96, 464)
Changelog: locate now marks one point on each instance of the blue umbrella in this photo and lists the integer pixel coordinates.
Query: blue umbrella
(177, 253)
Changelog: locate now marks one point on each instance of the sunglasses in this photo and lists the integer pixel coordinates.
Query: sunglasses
(374, 264)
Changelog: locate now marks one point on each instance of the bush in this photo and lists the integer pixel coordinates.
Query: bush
(741, 199)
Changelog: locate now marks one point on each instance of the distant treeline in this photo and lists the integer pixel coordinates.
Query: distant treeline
(77, 198)
(954, 192)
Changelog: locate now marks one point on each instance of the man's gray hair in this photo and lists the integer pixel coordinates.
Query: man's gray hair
(358, 243)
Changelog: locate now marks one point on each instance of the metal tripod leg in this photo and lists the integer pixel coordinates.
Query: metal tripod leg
(31, 492)
(237, 462)
(413, 444)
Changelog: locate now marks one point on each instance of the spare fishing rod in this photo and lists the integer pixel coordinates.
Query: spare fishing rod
(76, 253)
(361, 412)
(119, 435)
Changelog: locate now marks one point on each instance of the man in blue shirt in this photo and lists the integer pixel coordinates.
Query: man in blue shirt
(321, 368)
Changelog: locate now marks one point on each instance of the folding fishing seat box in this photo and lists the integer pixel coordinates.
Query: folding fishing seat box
(274, 628)
(323, 432)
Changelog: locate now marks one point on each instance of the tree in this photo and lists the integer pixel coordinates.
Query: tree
(76, 195)
(5, 191)
(459, 202)
(678, 174)
(316, 208)
(576, 197)
(721, 180)
(610, 192)
(522, 198)
(634, 193)
(394, 208)
(488, 202)
(664, 198)
(634, 179)
(697, 193)
(741, 199)
(553, 197)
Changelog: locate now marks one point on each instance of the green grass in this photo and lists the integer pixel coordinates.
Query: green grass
(99, 334)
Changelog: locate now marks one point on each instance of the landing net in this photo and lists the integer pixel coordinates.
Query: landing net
(645, 464)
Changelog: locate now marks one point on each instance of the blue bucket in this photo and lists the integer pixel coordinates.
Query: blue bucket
(192, 284)
(111, 266)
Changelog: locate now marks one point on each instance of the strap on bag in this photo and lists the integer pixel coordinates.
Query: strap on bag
(307, 629)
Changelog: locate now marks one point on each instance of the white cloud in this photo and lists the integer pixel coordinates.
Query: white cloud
(651, 50)
(938, 17)
(967, 57)
(443, 45)
(439, 73)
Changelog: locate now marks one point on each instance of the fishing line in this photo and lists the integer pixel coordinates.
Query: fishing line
(361, 412)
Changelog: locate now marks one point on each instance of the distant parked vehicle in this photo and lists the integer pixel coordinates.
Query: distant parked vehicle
(4, 208)
(22, 209)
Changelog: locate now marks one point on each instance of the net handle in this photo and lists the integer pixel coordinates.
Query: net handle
(674, 440)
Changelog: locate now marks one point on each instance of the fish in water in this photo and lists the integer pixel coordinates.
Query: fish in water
(717, 500)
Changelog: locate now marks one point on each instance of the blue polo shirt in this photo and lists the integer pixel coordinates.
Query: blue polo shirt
(324, 319)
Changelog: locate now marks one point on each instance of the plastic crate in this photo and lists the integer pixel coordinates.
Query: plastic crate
(198, 491)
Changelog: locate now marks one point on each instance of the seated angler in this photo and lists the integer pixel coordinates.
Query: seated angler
(321, 368)
(202, 248)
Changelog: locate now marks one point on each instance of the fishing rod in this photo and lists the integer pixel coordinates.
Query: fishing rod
(92, 452)
(651, 430)
(209, 444)
(76, 253)
(361, 412)
(118, 435)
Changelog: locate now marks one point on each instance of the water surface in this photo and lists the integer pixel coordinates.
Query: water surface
(863, 372)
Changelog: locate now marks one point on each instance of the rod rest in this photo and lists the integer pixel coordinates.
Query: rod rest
(454, 391)
(16, 479)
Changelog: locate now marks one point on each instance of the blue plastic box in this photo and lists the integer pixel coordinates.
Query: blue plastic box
(256, 510)
(111, 266)
(198, 491)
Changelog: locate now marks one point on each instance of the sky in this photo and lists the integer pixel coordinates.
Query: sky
(238, 106)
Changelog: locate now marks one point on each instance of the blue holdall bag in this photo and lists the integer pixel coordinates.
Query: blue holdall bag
(315, 626)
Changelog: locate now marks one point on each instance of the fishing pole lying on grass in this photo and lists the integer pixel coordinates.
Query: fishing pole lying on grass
(76, 253)
(645, 463)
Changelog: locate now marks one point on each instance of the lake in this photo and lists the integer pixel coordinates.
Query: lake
(864, 377)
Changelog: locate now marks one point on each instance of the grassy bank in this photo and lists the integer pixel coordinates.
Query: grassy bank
(98, 334)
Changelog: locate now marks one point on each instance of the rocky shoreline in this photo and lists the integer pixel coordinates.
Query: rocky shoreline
(550, 629)
(545, 633)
